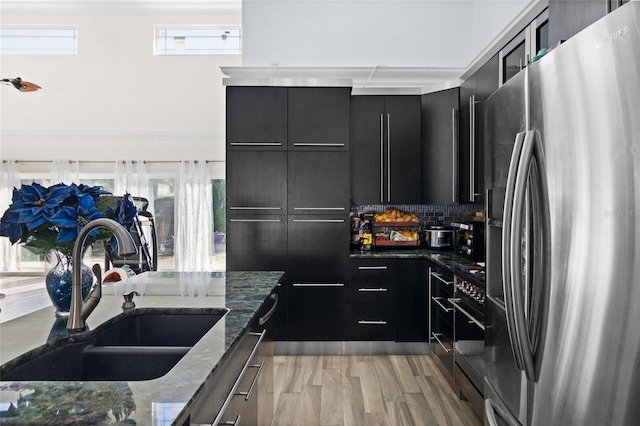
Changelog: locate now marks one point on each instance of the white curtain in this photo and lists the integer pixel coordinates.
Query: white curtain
(65, 171)
(131, 177)
(194, 218)
(9, 178)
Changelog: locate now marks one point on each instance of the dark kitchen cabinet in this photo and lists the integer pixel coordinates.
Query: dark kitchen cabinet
(256, 182)
(385, 149)
(318, 182)
(256, 117)
(569, 17)
(318, 118)
(318, 248)
(440, 147)
(373, 307)
(517, 54)
(318, 277)
(411, 300)
(318, 311)
(256, 242)
(473, 92)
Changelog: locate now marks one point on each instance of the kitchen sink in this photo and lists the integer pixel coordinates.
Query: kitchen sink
(135, 346)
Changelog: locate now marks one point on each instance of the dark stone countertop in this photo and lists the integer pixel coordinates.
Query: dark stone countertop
(165, 400)
(445, 258)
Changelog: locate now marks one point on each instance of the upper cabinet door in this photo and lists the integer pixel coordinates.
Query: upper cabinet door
(402, 115)
(440, 147)
(257, 118)
(319, 118)
(367, 146)
(257, 182)
(385, 153)
(318, 182)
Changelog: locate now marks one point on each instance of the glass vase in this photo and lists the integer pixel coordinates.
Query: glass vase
(59, 280)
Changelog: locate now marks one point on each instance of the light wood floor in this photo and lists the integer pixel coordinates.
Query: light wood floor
(360, 390)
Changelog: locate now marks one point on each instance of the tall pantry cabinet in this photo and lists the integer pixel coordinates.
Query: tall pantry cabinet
(288, 199)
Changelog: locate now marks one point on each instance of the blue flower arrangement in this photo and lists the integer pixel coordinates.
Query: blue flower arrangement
(45, 219)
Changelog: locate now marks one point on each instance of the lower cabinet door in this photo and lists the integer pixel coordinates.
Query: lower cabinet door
(372, 321)
(256, 243)
(318, 310)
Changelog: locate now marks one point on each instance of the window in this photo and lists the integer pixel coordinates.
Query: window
(38, 41)
(198, 41)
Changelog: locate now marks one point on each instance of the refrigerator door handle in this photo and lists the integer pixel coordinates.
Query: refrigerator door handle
(507, 242)
(493, 411)
(518, 302)
(540, 236)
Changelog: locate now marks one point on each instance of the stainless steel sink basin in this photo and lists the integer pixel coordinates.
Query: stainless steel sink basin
(136, 346)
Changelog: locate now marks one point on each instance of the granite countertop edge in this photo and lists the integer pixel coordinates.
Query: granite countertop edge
(243, 295)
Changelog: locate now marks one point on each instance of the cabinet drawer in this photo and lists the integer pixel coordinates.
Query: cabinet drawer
(372, 321)
(378, 289)
(216, 401)
(372, 267)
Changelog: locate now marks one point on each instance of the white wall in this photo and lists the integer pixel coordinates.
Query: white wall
(399, 33)
(115, 99)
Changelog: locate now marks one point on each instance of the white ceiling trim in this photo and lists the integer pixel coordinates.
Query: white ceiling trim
(363, 80)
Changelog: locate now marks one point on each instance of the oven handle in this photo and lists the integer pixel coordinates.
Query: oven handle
(437, 300)
(454, 302)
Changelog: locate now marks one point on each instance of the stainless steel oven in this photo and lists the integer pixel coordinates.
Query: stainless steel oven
(468, 335)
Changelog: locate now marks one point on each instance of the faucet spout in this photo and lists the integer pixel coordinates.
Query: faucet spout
(126, 247)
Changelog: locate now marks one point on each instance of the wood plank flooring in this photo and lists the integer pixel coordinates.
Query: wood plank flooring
(358, 390)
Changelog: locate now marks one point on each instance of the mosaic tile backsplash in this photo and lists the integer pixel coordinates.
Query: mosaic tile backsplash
(431, 214)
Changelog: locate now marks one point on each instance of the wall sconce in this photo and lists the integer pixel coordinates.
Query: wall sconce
(18, 83)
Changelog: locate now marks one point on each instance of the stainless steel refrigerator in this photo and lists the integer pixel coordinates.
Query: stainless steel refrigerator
(563, 233)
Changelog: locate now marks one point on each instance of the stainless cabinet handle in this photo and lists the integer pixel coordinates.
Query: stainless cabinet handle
(467, 314)
(388, 158)
(320, 220)
(472, 148)
(317, 144)
(367, 268)
(256, 144)
(444, 308)
(320, 208)
(435, 336)
(254, 208)
(263, 320)
(247, 394)
(382, 158)
(227, 400)
(454, 143)
(255, 220)
(373, 290)
(318, 284)
(372, 322)
(439, 277)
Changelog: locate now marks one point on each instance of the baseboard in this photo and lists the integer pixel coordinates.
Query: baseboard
(352, 348)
